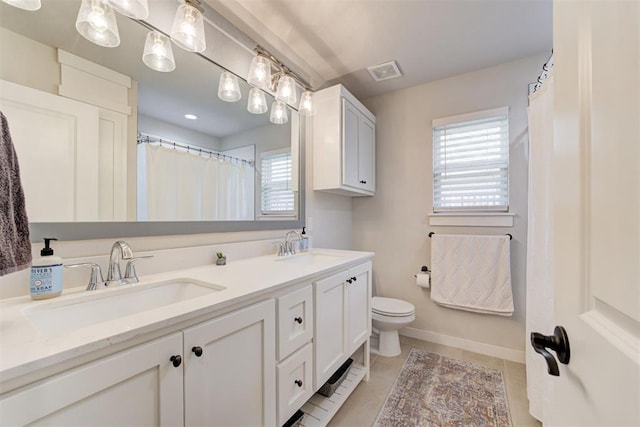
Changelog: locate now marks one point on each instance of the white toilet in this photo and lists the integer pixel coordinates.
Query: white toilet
(388, 316)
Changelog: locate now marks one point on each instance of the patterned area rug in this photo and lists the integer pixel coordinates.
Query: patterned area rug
(434, 390)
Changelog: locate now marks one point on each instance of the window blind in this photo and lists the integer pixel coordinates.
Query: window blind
(471, 163)
(277, 197)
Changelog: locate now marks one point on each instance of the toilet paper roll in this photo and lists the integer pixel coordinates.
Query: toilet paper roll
(423, 280)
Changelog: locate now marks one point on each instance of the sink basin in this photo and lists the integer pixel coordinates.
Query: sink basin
(100, 306)
(309, 258)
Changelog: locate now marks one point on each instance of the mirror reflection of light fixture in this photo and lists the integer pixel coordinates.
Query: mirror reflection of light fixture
(158, 54)
(228, 87)
(306, 103)
(187, 30)
(259, 72)
(257, 103)
(30, 5)
(286, 91)
(278, 113)
(97, 23)
(136, 9)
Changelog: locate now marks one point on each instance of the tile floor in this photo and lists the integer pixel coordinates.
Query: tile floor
(362, 407)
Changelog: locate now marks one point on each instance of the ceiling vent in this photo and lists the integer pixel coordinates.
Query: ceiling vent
(386, 71)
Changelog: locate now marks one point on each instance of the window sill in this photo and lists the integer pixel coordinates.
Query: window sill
(493, 219)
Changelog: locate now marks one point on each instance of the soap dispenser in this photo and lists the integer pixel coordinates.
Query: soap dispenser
(46, 273)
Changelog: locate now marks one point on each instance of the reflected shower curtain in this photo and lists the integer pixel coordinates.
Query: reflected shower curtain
(183, 186)
(539, 249)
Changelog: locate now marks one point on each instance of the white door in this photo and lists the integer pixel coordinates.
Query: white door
(596, 235)
(358, 289)
(140, 386)
(367, 154)
(350, 137)
(230, 369)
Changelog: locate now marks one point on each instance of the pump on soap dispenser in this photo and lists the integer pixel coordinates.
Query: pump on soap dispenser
(46, 273)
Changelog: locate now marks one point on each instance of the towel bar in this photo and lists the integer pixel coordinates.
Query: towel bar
(508, 234)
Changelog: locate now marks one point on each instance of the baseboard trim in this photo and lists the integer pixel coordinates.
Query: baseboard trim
(465, 344)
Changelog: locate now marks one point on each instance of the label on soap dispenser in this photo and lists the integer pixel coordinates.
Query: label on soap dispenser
(46, 280)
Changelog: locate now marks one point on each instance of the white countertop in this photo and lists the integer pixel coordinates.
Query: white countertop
(23, 349)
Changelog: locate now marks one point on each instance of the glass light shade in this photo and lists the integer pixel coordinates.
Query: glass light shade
(96, 22)
(158, 54)
(257, 103)
(24, 4)
(187, 30)
(306, 103)
(278, 113)
(136, 9)
(260, 72)
(229, 88)
(286, 90)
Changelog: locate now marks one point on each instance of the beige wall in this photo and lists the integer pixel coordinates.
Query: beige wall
(394, 224)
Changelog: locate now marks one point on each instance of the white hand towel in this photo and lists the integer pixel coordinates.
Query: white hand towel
(472, 273)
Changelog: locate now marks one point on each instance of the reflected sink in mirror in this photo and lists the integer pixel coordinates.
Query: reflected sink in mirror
(309, 258)
(101, 306)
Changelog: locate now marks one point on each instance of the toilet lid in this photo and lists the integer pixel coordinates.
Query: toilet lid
(391, 306)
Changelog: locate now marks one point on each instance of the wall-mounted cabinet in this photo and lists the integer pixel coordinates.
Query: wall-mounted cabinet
(344, 133)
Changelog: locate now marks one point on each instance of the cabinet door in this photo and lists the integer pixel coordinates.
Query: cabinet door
(358, 289)
(350, 136)
(330, 327)
(295, 320)
(232, 382)
(367, 154)
(135, 387)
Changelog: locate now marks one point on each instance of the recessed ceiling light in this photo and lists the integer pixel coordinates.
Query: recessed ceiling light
(388, 70)
(190, 116)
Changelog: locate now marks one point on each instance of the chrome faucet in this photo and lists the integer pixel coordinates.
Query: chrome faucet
(289, 244)
(119, 250)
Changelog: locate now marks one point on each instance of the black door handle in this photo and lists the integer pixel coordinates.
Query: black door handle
(558, 342)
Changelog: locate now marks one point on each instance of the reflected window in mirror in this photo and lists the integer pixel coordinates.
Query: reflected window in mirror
(277, 196)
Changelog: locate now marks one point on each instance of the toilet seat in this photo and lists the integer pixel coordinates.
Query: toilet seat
(391, 307)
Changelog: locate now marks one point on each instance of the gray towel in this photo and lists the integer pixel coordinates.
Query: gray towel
(15, 246)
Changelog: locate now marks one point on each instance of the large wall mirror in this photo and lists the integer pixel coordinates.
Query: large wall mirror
(135, 162)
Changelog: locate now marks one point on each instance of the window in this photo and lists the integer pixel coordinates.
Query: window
(471, 162)
(277, 197)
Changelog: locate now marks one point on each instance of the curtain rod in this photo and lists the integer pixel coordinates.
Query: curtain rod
(545, 73)
(146, 139)
(508, 234)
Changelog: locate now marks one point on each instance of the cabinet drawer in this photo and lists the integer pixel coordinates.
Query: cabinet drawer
(295, 320)
(295, 382)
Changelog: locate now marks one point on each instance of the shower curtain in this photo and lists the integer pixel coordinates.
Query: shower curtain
(539, 250)
(183, 186)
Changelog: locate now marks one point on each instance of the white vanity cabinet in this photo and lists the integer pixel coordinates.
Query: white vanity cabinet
(229, 372)
(343, 144)
(343, 318)
(139, 386)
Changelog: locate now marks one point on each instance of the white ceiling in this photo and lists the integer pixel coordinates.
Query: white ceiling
(336, 40)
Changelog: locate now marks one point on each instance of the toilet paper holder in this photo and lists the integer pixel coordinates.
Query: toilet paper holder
(423, 269)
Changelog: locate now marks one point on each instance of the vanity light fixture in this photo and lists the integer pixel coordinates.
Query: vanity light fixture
(257, 103)
(187, 30)
(228, 87)
(260, 72)
(29, 5)
(190, 116)
(306, 103)
(278, 113)
(96, 22)
(158, 54)
(286, 91)
(136, 9)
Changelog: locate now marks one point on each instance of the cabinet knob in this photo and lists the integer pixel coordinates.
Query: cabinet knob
(298, 383)
(354, 278)
(197, 351)
(177, 360)
(349, 280)
(298, 320)
(363, 182)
